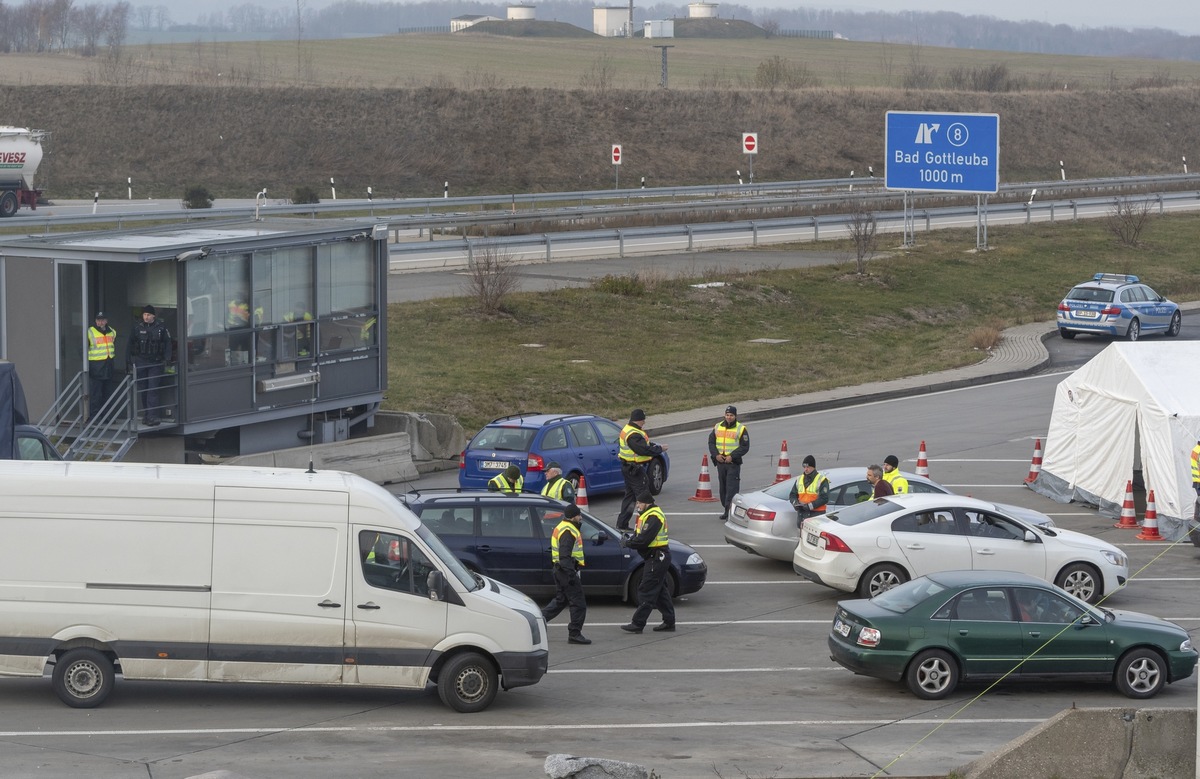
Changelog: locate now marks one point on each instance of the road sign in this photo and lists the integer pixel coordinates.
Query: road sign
(616, 154)
(942, 152)
(750, 143)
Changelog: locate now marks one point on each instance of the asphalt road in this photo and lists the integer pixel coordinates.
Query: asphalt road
(743, 689)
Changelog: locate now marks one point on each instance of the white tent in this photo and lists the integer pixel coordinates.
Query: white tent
(1134, 406)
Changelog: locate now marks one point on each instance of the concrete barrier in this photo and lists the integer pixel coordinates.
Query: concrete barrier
(379, 458)
(1116, 743)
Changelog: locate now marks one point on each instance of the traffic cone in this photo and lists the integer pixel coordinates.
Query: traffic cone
(1128, 515)
(922, 461)
(581, 494)
(1035, 467)
(703, 487)
(1150, 523)
(783, 471)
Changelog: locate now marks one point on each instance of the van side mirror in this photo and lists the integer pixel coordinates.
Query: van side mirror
(435, 583)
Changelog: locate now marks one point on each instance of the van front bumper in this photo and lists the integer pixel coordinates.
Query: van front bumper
(521, 669)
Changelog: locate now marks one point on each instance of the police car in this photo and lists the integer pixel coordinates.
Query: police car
(1118, 305)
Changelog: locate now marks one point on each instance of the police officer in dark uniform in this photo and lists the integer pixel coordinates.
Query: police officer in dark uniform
(149, 352)
(635, 451)
(650, 541)
(566, 552)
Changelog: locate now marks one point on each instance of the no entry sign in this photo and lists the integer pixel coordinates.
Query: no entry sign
(616, 154)
(750, 143)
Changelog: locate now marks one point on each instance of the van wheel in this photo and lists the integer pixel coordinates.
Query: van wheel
(467, 683)
(83, 678)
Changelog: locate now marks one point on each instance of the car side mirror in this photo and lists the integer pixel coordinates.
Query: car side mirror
(601, 537)
(1086, 620)
(435, 582)
(1030, 537)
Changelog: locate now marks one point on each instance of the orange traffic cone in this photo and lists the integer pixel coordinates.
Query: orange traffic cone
(1128, 515)
(581, 494)
(783, 471)
(1150, 523)
(922, 461)
(703, 487)
(1035, 467)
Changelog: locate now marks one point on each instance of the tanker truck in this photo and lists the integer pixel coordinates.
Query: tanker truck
(20, 155)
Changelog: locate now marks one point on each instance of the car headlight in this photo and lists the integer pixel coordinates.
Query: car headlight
(1186, 646)
(1116, 558)
(694, 559)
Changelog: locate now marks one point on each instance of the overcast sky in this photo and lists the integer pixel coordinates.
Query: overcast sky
(1182, 16)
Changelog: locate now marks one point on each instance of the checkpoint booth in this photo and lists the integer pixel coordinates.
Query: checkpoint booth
(277, 326)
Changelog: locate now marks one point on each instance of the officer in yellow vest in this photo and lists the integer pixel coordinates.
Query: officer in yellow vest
(650, 541)
(891, 474)
(566, 554)
(509, 482)
(728, 443)
(1196, 486)
(556, 486)
(102, 349)
(634, 452)
(810, 492)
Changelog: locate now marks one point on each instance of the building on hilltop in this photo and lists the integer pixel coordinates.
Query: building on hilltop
(702, 10)
(521, 12)
(611, 21)
(466, 20)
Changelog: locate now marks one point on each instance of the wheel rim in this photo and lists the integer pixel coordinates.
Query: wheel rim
(471, 684)
(83, 679)
(1176, 324)
(1134, 330)
(933, 675)
(883, 581)
(1143, 675)
(1080, 584)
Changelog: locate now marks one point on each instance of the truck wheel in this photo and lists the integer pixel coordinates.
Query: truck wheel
(83, 678)
(8, 204)
(467, 683)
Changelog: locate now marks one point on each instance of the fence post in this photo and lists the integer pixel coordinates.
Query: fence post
(816, 230)
(754, 232)
(689, 232)
(549, 254)
(620, 244)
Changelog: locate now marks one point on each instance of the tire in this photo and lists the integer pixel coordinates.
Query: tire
(468, 683)
(573, 477)
(1176, 325)
(8, 204)
(83, 678)
(656, 475)
(880, 578)
(932, 675)
(1068, 334)
(635, 583)
(1082, 581)
(1141, 673)
(1135, 330)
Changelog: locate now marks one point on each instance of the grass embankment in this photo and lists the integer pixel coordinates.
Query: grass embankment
(651, 341)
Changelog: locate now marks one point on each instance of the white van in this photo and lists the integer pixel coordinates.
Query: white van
(213, 573)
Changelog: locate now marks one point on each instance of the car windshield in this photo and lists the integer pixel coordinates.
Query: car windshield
(863, 512)
(448, 560)
(903, 597)
(503, 439)
(1092, 294)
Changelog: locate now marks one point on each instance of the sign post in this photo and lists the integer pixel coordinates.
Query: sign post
(616, 161)
(944, 153)
(750, 149)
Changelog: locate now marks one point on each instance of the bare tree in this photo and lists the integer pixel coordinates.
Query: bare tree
(89, 21)
(600, 75)
(1127, 219)
(863, 229)
(116, 25)
(490, 278)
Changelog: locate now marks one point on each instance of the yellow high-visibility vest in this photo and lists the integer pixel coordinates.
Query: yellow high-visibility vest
(566, 526)
(627, 454)
(653, 511)
(728, 437)
(101, 346)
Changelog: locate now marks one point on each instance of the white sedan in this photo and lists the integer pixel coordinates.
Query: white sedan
(873, 546)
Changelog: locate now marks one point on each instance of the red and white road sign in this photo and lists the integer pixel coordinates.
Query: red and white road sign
(750, 143)
(616, 154)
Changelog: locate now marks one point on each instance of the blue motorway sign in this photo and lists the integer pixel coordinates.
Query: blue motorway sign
(942, 152)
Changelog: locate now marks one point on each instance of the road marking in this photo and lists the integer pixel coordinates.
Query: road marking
(654, 725)
(717, 622)
(623, 671)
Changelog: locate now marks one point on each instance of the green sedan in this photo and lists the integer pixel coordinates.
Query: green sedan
(937, 630)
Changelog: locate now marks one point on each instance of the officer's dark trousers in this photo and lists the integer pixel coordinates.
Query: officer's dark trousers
(636, 482)
(570, 592)
(98, 387)
(655, 592)
(730, 476)
(150, 376)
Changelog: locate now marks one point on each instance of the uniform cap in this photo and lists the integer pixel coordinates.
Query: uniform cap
(101, 315)
(148, 309)
(810, 460)
(892, 461)
(571, 511)
(731, 410)
(512, 471)
(637, 416)
(553, 464)
(645, 497)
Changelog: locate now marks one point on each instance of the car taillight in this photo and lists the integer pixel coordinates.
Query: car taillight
(833, 543)
(762, 515)
(868, 637)
(1063, 306)
(462, 459)
(1110, 311)
(534, 463)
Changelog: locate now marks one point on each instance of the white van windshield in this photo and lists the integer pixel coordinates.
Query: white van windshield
(448, 560)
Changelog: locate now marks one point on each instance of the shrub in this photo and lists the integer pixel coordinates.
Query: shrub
(630, 285)
(305, 195)
(197, 197)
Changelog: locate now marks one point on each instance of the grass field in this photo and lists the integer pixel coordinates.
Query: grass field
(666, 346)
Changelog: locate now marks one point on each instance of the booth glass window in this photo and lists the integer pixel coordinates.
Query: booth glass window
(217, 319)
(346, 278)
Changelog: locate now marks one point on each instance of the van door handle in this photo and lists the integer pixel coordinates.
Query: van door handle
(368, 605)
(328, 604)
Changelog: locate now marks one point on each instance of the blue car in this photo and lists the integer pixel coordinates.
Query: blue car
(583, 444)
(507, 537)
(1119, 305)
